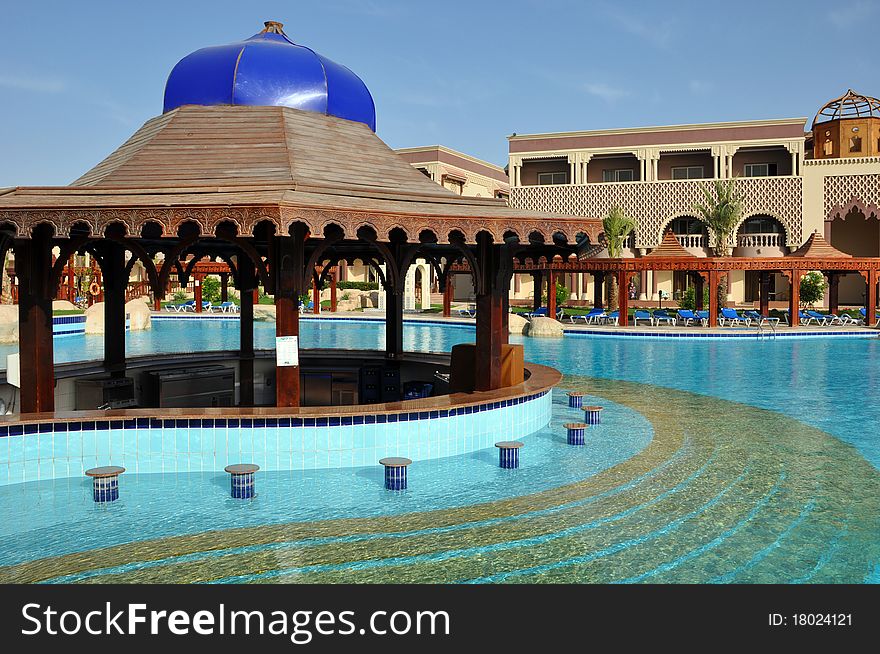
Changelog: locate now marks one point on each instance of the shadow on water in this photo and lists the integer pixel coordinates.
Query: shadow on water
(373, 474)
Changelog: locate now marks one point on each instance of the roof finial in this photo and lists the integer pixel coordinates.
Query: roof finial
(273, 27)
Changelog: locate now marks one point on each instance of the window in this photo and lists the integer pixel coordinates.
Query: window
(553, 178)
(828, 148)
(687, 172)
(759, 170)
(453, 185)
(617, 175)
(855, 144)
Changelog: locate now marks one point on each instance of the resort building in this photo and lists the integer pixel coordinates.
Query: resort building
(793, 180)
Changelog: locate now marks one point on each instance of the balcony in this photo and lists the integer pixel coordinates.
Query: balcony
(692, 240)
(654, 204)
(760, 241)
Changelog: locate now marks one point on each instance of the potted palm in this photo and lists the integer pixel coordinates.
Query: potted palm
(616, 227)
(721, 211)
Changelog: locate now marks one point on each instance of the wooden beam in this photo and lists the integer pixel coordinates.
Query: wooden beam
(598, 283)
(33, 265)
(197, 292)
(764, 293)
(551, 295)
(871, 298)
(447, 296)
(393, 323)
(833, 292)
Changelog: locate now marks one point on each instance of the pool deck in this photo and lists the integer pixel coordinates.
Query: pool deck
(660, 331)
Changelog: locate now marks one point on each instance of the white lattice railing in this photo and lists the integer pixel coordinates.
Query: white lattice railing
(759, 241)
(692, 240)
(655, 204)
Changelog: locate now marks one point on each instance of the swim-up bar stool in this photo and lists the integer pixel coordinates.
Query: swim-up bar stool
(592, 415)
(105, 483)
(576, 433)
(575, 400)
(508, 454)
(395, 472)
(243, 485)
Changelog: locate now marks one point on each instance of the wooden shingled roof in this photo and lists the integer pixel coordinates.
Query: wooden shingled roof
(670, 247)
(817, 247)
(296, 161)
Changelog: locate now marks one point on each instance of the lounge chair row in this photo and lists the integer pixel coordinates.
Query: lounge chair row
(830, 319)
(207, 307)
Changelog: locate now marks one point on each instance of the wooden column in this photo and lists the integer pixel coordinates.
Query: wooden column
(224, 291)
(537, 284)
(764, 293)
(393, 322)
(713, 298)
(197, 292)
(699, 285)
(833, 292)
(490, 314)
(551, 294)
(333, 291)
(115, 283)
(447, 296)
(794, 298)
(246, 332)
(598, 284)
(33, 258)
(623, 297)
(288, 265)
(871, 299)
(316, 298)
(505, 317)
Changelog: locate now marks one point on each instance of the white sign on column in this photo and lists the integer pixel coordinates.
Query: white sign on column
(286, 351)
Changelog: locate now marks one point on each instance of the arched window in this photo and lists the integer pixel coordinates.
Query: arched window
(761, 231)
(690, 232)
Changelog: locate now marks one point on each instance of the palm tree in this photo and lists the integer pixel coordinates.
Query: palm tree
(616, 227)
(721, 212)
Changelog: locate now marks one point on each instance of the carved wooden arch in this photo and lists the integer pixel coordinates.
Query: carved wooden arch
(172, 256)
(251, 252)
(317, 255)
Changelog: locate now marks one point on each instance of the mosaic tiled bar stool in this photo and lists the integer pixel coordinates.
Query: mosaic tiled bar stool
(592, 415)
(575, 400)
(243, 486)
(576, 432)
(105, 482)
(508, 454)
(395, 472)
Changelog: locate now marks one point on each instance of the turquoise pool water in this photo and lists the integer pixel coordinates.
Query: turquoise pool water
(764, 468)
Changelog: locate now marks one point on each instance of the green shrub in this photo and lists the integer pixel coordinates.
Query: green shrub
(358, 286)
(688, 299)
(211, 289)
(813, 287)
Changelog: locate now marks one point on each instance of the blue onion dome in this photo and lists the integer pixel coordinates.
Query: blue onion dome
(269, 69)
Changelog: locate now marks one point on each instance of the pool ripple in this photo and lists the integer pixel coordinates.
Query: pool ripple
(712, 498)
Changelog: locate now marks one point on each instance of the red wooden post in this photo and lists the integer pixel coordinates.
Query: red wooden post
(490, 320)
(33, 258)
(538, 285)
(551, 294)
(699, 285)
(224, 284)
(623, 297)
(598, 281)
(246, 334)
(713, 298)
(871, 298)
(794, 298)
(764, 293)
(197, 292)
(833, 292)
(289, 283)
(447, 296)
(316, 297)
(115, 283)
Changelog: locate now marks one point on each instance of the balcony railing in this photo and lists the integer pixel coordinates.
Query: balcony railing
(692, 240)
(654, 205)
(759, 240)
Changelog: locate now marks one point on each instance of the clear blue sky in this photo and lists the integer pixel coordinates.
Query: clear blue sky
(77, 78)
